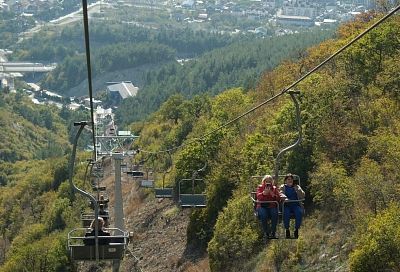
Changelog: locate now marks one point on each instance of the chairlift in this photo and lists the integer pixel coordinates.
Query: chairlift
(164, 192)
(296, 178)
(147, 182)
(135, 174)
(87, 218)
(99, 188)
(192, 199)
(114, 249)
(252, 185)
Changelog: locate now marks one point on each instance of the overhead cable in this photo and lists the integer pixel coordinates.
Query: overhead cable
(89, 70)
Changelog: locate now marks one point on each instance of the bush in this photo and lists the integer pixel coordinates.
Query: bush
(236, 236)
(378, 248)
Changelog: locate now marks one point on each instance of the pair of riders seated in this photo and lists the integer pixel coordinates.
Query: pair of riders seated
(267, 191)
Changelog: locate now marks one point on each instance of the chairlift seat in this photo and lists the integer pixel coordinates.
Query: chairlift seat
(135, 174)
(99, 188)
(192, 200)
(163, 192)
(147, 183)
(113, 251)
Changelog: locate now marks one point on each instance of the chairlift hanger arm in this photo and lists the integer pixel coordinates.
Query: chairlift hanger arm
(299, 129)
(82, 125)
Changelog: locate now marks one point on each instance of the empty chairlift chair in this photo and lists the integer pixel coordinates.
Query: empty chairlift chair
(163, 192)
(191, 200)
(147, 182)
(135, 173)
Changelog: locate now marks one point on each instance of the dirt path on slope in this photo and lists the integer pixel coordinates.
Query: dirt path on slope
(159, 231)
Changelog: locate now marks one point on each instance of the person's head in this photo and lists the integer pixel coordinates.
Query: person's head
(289, 180)
(268, 180)
(101, 223)
(101, 197)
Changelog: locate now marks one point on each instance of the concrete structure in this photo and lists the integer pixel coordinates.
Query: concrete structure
(21, 67)
(95, 102)
(11, 70)
(303, 8)
(294, 20)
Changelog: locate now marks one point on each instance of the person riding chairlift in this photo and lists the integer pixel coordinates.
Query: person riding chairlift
(101, 232)
(292, 191)
(267, 191)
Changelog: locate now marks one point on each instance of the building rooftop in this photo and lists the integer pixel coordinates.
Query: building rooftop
(125, 89)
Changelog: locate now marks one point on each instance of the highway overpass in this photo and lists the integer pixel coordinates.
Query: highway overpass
(23, 67)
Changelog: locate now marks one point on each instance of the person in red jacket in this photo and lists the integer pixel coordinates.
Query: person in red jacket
(267, 208)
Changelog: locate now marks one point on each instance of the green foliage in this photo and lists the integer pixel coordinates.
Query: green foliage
(236, 236)
(29, 131)
(371, 188)
(45, 254)
(332, 190)
(378, 248)
(34, 217)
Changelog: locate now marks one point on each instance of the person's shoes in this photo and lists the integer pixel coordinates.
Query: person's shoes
(296, 233)
(287, 234)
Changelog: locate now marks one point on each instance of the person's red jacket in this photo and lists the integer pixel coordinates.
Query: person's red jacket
(273, 195)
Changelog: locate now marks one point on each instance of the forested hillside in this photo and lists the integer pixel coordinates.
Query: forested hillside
(114, 46)
(29, 131)
(348, 164)
(237, 65)
(348, 160)
(215, 61)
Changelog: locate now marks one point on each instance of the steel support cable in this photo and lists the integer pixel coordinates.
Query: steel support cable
(89, 70)
(285, 90)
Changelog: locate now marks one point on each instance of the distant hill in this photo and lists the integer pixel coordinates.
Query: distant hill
(30, 131)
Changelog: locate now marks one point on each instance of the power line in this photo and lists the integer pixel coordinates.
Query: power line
(392, 12)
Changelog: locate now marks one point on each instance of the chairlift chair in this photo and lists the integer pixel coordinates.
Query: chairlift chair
(113, 250)
(87, 219)
(192, 199)
(165, 192)
(296, 178)
(135, 174)
(99, 188)
(147, 183)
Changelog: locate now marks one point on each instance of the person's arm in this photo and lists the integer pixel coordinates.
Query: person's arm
(300, 193)
(260, 191)
(282, 195)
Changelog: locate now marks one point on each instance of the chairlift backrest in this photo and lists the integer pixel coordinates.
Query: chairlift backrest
(136, 174)
(163, 192)
(147, 183)
(99, 188)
